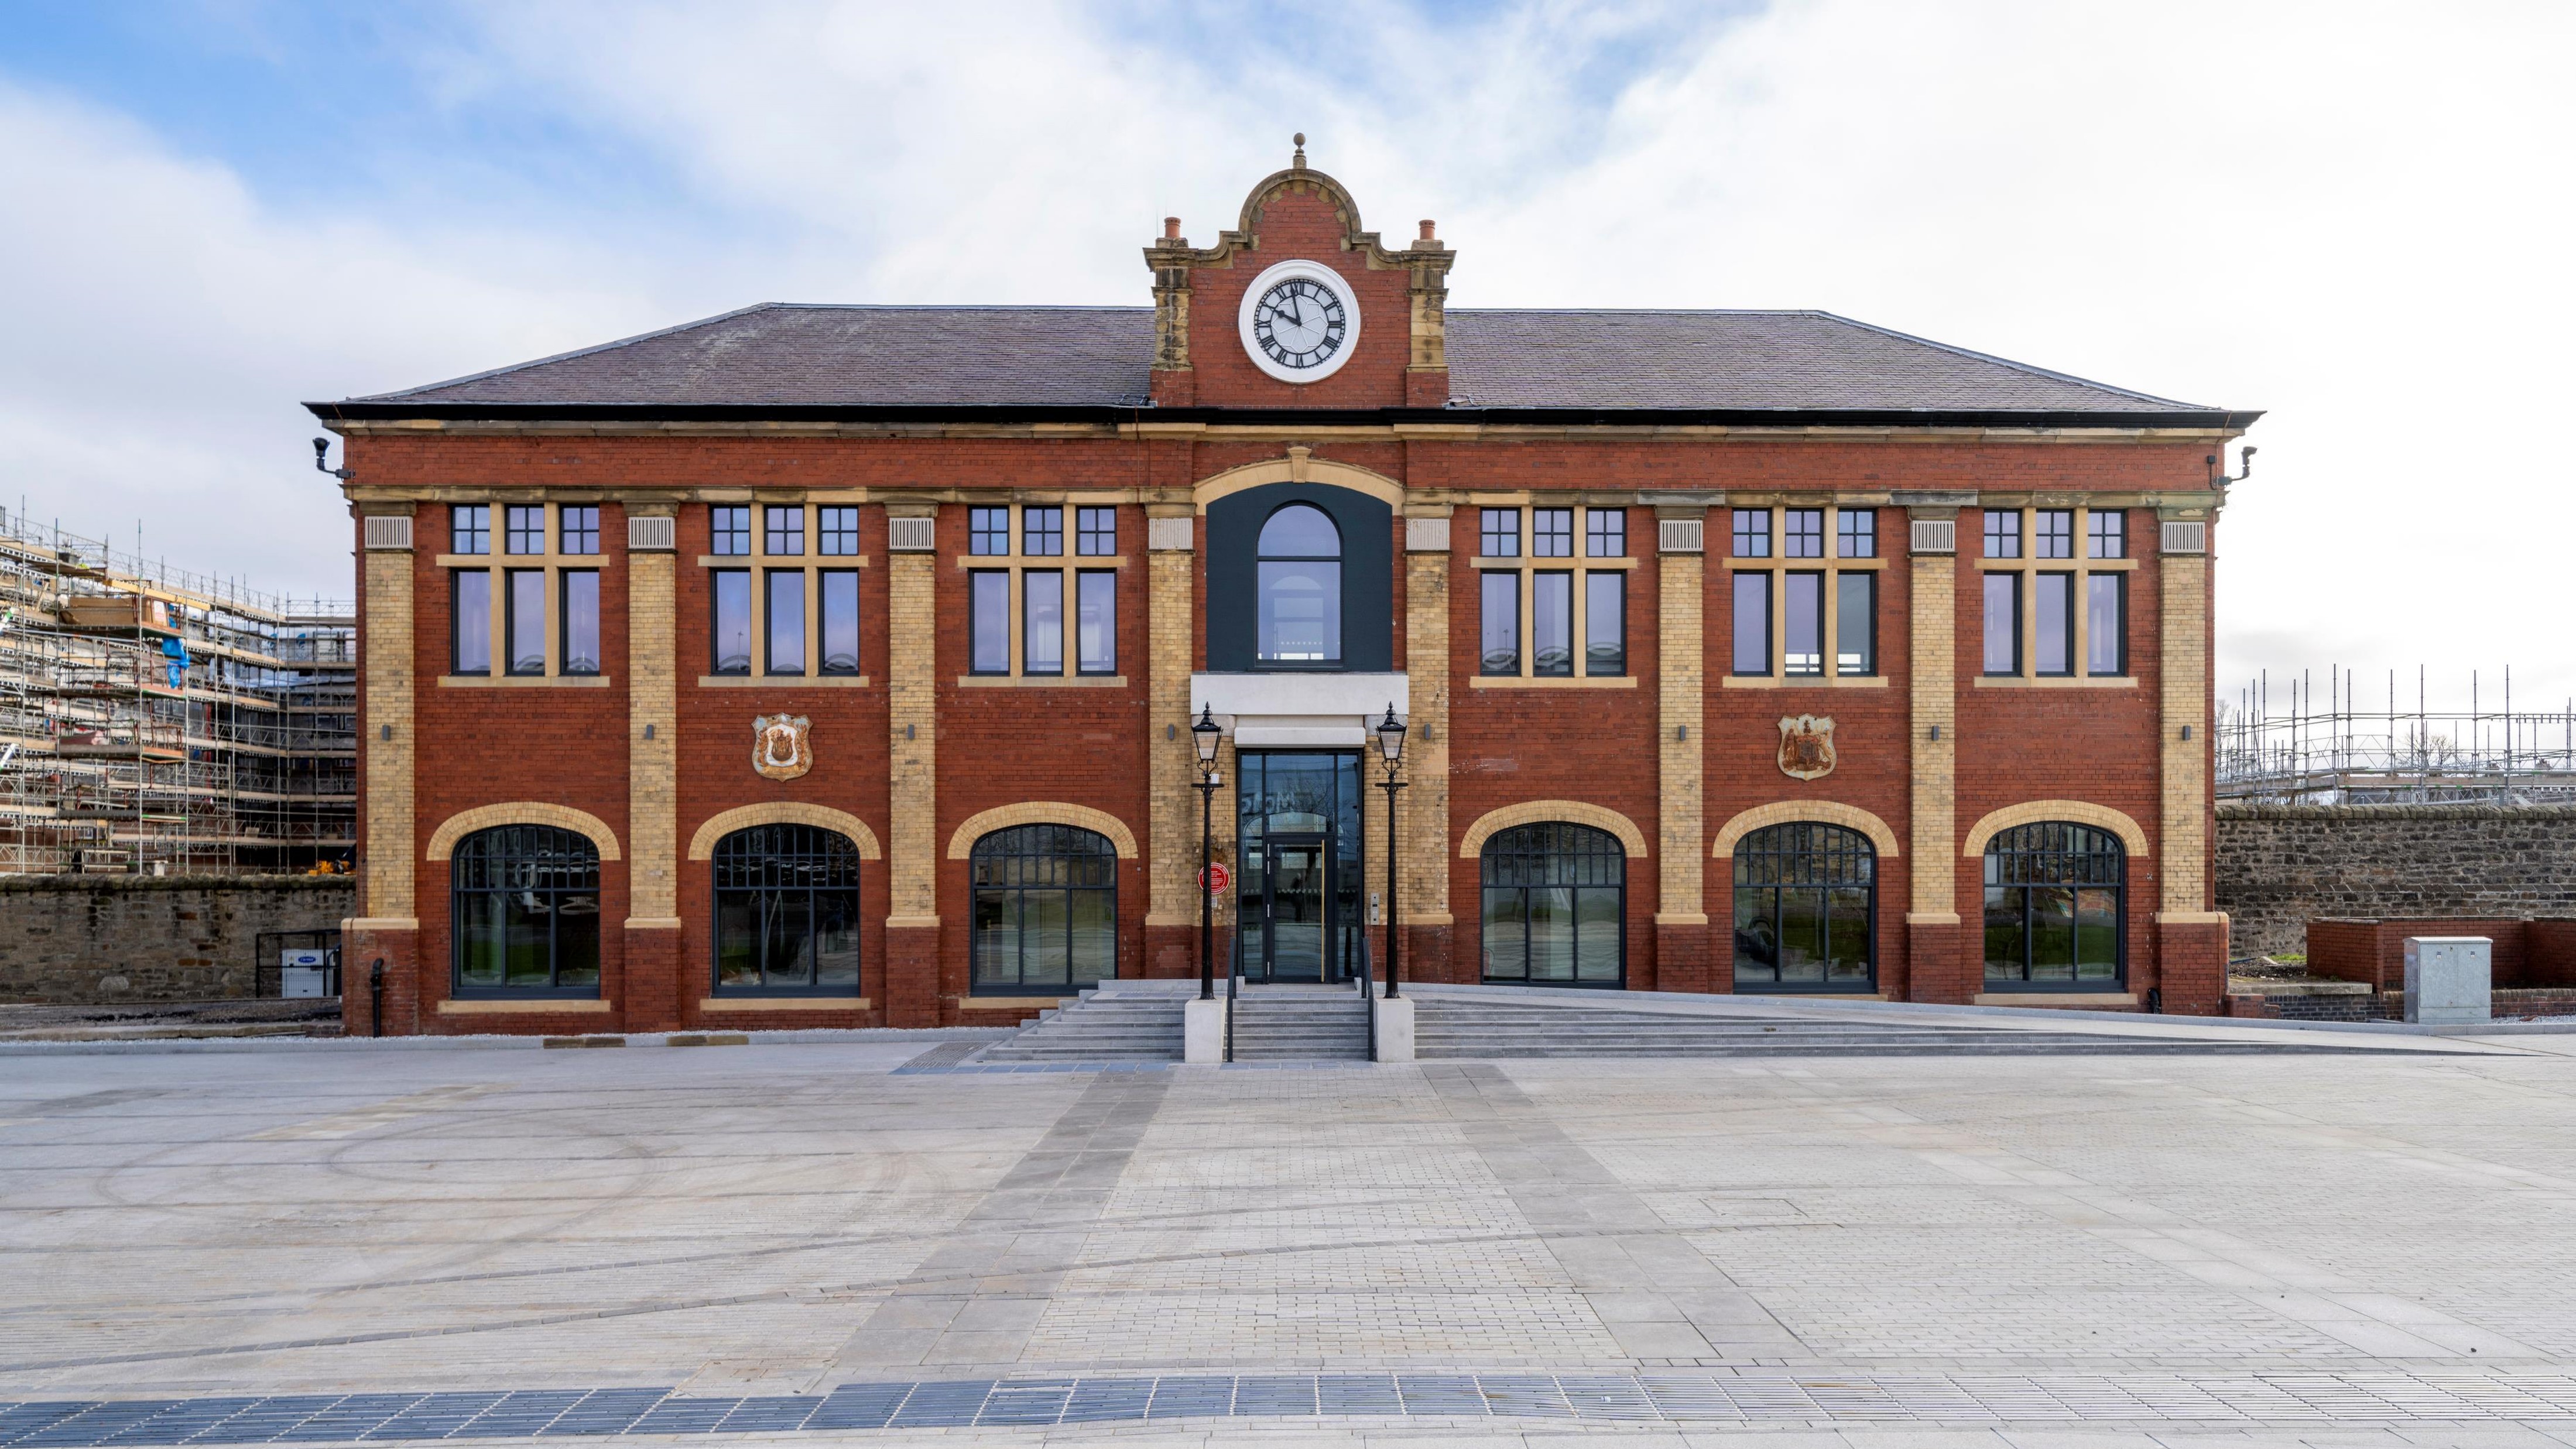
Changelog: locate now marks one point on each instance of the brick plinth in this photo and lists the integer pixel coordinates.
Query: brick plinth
(1428, 953)
(361, 947)
(911, 977)
(1939, 964)
(652, 993)
(1681, 959)
(2191, 967)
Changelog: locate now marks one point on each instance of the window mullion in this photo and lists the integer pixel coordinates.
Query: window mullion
(1527, 603)
(1832, 610)
(813, 619)
(2080, 550)
(2026, 648)
(759, 593)
(1581, 640)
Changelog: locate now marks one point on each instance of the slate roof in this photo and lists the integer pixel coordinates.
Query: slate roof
(795, 356)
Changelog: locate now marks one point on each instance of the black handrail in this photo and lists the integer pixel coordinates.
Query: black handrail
(1233, 978)
(1368, 972)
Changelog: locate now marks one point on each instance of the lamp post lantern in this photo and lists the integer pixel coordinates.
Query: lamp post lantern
(1390, 748)
(1203, 737)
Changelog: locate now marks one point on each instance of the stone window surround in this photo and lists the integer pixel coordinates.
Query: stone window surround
(1069, 563)
(2077, 564)
(1577, 563)
(1831, 564)
(554, 563)
(760, 563)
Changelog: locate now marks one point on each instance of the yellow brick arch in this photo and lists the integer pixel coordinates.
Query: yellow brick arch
(1785, 812)
(1041, 812)
(2031, 812)
(1297, 468)
(1531, 812)
(442, 841)
(702, 846)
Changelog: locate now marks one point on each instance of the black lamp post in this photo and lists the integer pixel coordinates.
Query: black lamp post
(1204, 736)
(1390, 748)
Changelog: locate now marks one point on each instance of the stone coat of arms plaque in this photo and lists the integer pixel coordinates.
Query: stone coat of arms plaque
(782, 745)
(1807, 747)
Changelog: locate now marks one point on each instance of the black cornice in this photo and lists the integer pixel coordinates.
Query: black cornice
(337, 412)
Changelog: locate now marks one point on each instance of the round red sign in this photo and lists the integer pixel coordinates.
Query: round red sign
(1215, 879)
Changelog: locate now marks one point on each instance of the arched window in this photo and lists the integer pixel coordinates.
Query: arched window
(1299, 562)
(526, 903)
(1046, 910)
(1555, 905)
(2053, 906)
(1805, 908)
(787, 912)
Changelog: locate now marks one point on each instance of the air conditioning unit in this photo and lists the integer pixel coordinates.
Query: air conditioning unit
(912, 535)
(2186, 536)
(651, 535)
(1681, 535)
(388, 531)
(1936, 535)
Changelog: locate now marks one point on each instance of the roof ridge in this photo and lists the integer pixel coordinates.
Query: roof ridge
(589, 351)
(1645, 311)
(2032, 368)
(952, 307)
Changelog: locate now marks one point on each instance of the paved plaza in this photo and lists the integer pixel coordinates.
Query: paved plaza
(817, 1241)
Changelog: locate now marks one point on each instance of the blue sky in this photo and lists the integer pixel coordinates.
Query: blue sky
(2330, 210)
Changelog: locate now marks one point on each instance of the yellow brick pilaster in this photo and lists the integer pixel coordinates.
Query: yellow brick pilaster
(2183, 590)
(1173, 827)
(912, 846)
(1933, 712)
(386, 878)
(1423, 822)
(652, 744)
(1681, 669)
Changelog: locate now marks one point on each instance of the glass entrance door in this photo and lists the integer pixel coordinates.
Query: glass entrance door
(1298, 909)
(1297, 834)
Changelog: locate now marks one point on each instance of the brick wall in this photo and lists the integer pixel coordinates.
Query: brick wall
(77, 940)
(2279, 867)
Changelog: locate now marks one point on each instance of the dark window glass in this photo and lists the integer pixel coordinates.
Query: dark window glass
(1042, 628)
(1555, 905)
(783, 531)
(1096, 622)
(469, 529)
(1045, 910)
(1802, 651)
(2106, 534)
(1753, 533)
(1856, 623)
(786, 622)
(2053, 651)
(1552, 533)
(1042, 532)
(472, 640)
(1552, 624)
(1802, 533)
(1605, 532)
(578, 527)
(1806, 895)
(1859, 532)
(2054, 906)
(1096, 532)
(787, 911)
(989, 621)
(526, 903)
(2053, 534)
(2003, 533)
(2106, 623)
(526, 531)
(1605, 622)
(1499, 639)
(1499, 533)
(838, 530)
(840, 610)
(731, 618)
(1752, 622)
(1299, 579)
(2003, 623)
(988, 531)
(729, 531)
(527, 621)
(581, 621)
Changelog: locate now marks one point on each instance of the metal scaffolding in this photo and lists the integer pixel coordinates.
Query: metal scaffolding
(2337, 752)
(160, 722)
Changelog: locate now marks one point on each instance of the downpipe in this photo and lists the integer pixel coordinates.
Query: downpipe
(376, 998)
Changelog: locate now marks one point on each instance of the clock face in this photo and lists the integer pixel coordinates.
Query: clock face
(1298, 322)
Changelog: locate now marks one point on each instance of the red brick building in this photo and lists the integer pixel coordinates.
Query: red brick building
(822, 665)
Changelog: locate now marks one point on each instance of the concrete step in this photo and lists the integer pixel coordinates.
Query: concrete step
(1099, 1027)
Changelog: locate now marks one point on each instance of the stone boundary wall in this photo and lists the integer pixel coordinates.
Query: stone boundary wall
(77, 940)
(2282, 866)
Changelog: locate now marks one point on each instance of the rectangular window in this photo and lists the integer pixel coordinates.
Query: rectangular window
(2055, 645)
(1552, 533)
(1753, 621)
(471, 649)
(1299, 620)
(2003, 533)
(2054, 534)
(989, 620)
(729, 531)
(1499, 642)
(1803, 610)
(1802, 533)
(469, 529)
(1096, 532)
(1042, 624)
(1859, 532)
(783, 531)
(1552, 622)
(1501, 534)
(2003, 623)
(1605, 622)
(1606, 532)
(839, 530)
(1096, 621)
(1042, 532)
(731, 619)
(1753, 535)
(2106, 534)
(527, 621)
(840, 611)
(526, 529)
(1856, 623)
(2106, 624)
(988, 532)
(578, 527)
(580, 620)
(786, 601)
